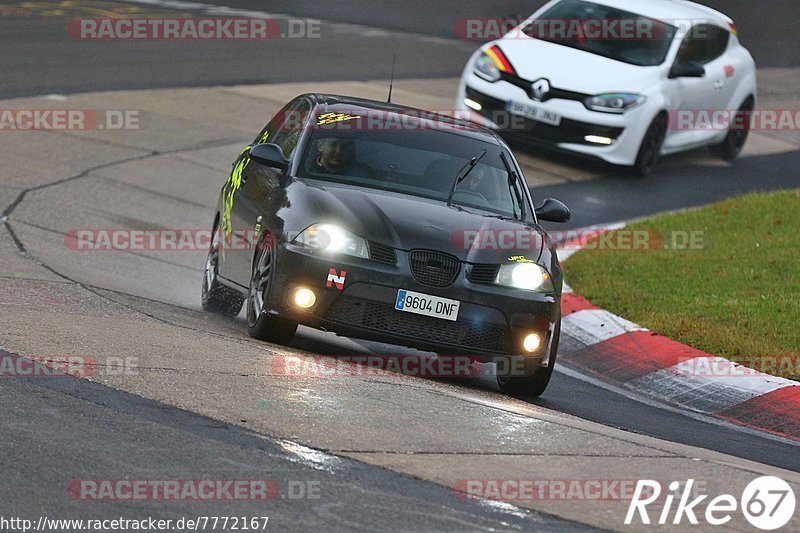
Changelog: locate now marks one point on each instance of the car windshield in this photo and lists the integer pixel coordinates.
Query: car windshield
(605, 31)
(419, 162)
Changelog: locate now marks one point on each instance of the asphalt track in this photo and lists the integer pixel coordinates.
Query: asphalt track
(52, 416)
(39, 57)
(69, 421)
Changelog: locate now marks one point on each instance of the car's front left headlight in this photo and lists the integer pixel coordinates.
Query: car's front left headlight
(333, 239)
(613, 102)
(526, 276)
(486, 68)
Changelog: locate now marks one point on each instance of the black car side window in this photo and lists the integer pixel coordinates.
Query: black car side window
(703, 44)
(267, 135)
(288, 132)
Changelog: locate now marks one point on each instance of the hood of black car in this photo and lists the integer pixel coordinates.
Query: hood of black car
(407, 222)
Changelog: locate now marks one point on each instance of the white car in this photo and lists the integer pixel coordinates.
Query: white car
(619, 80)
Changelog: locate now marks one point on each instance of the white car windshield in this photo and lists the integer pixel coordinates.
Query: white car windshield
(605, 31)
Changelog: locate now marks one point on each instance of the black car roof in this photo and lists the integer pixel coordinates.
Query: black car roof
(334, 102)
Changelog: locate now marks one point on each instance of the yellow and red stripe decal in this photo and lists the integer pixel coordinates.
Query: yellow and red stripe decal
(499, 59)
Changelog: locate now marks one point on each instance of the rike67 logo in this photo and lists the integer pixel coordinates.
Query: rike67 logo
(767, 503)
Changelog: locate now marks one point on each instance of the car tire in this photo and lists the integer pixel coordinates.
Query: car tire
(650, 149)
(733, 144)
(260, 323)
(216, 297)
(536, 383)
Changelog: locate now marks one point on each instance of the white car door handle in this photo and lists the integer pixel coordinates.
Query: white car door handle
(718, 85)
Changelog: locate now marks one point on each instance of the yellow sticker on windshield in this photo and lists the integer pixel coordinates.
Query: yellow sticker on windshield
(331, 118)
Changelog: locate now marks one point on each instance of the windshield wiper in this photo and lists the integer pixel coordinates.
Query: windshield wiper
(513, 179)
(459, 177)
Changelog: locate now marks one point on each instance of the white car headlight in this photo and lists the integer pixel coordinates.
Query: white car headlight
(486, 68)
(613, 102)
(333, 239)
(526, 276)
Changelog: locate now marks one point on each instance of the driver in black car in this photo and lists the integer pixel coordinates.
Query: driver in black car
(338, 156)
(479, 183)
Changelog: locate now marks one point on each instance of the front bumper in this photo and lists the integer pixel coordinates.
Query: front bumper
(625, 131)
(492, 320)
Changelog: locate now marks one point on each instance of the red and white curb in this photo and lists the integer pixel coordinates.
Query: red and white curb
(603, 345)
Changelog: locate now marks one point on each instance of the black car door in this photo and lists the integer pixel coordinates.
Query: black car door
(258, 197)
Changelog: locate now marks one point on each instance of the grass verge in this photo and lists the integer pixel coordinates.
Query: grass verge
(724, 278)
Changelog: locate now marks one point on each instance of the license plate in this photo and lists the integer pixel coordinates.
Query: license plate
(425, 304)
(533, 112)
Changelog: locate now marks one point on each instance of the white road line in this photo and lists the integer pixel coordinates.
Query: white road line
(724, 385)
(592, 326)
(694, 415)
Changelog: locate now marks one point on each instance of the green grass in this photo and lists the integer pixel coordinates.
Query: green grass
(737, 297)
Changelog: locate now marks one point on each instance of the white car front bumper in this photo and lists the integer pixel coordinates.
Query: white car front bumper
(624, 132)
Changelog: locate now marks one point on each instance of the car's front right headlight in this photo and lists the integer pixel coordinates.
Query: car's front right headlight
(333, 239)
(526, 276)
(486, 68)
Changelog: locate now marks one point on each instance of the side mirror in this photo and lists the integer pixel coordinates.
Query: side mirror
(552, 210)
(687, 69)
(269, 155)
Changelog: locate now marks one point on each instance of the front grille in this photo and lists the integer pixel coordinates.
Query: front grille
(434, 268)
(554, 93)
(483, 273)
(384, 318)
(569, 131)
(381, 253)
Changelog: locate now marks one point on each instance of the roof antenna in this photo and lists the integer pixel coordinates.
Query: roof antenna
(391, 81)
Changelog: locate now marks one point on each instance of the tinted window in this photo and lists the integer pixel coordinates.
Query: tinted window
(288, 133)
(288, 117)
(271, 127)
(418, 162)
(704, 44)
(605, 31)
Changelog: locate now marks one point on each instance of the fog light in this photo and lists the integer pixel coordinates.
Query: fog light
(473, 104)
(532, 342)
(304, 298)
(596, 139)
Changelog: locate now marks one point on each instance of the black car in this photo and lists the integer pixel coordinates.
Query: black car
(384, 222)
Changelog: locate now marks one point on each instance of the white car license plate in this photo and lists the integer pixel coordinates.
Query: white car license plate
(533, 112)
(425, 304)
